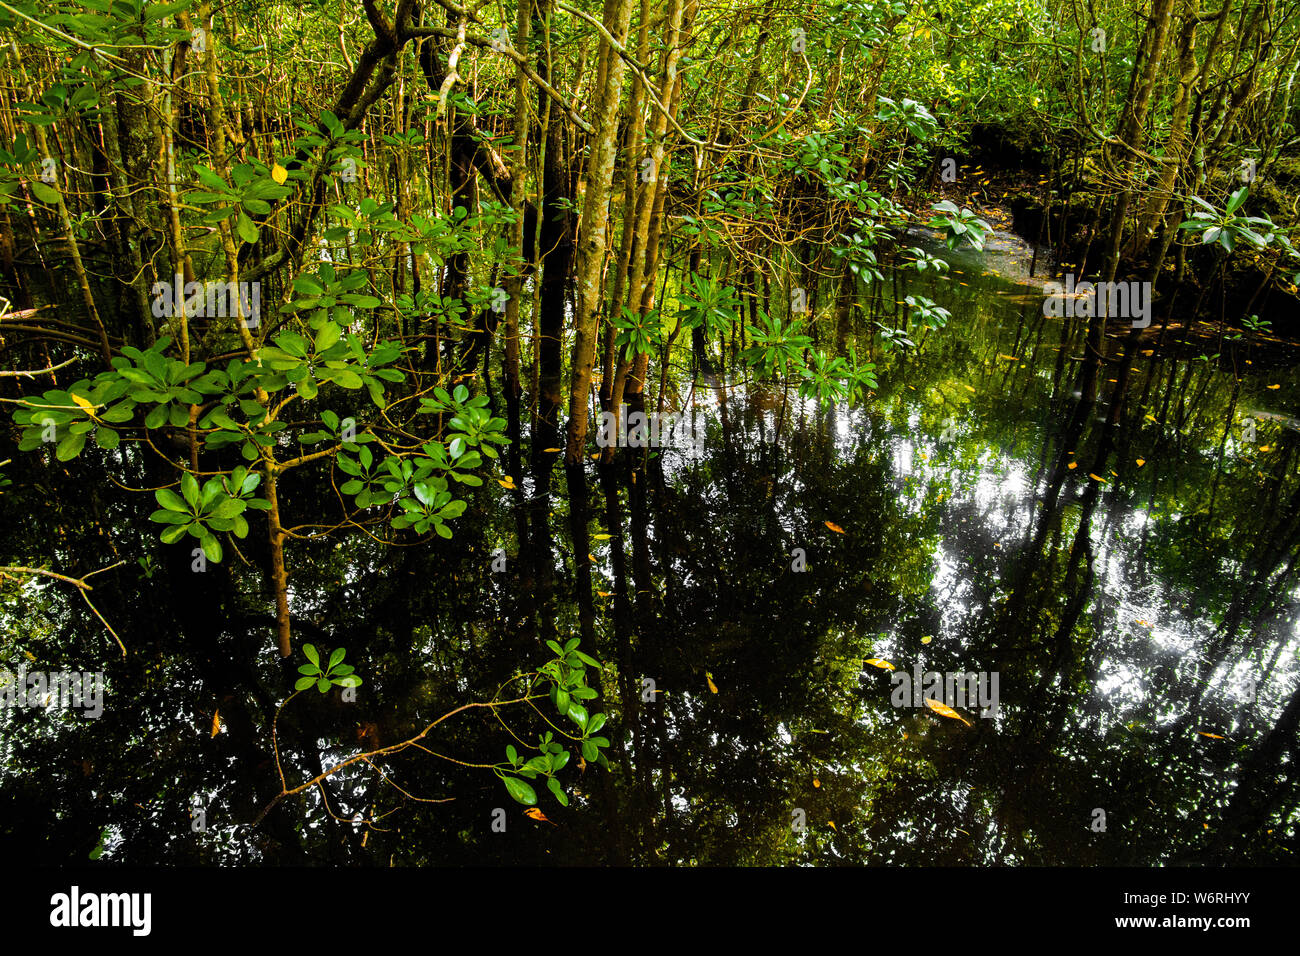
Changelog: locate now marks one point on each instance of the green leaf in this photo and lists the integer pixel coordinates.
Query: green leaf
(173, 533)
(312, 655)
(303, 683)
(521, 791)
(244, 226)
(211, 547)
(322, 685)
(45, 193)
(70, 447)
(190, 489)
(336, 656)
(556, 789)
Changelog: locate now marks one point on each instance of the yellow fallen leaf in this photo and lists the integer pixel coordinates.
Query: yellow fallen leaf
(604, 594)
(1008, 358)
(602, 537)
(548, 451)
(506, 483)
(1072, 465)
(834, 527)
(1141, 462)
(927, 639)
(1273, 386)
(592, 557)
(1265, 447)
(713, 688)
(969, 389)
(1114, 472)
(816, 782)
(1212, 736)
(831, 824)
(279, 174)
(944, 710)
(216, 722)
(1151, 418)
(539, 815)
(882, 664)
(1141, 623)
(1096, 477)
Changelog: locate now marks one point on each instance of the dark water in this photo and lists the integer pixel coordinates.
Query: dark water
(1141, 630)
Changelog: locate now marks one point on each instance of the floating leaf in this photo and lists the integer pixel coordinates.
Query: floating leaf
(945, 710)
(927, 639)
(549, 451)
(1273, 386)
(816, 782)
(538, 815)
(1008, 358)
(216, 722)
(882, 664)
(1096, 477)
(1072, 465)
(713, 688)
(1211, 736)
(1141, 462)
(602, 537)
(508, 483)
(834, 527)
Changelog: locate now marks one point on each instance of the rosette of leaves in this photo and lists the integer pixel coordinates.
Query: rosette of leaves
(473, 430)
(860, 377)
(927, 312)
(431, 506)
(566, 673)
(959, 224)
(203, 512)
(823, 378)
(1227, 228)
(777, 347)
(707, 304)
(637, 334)
(136, 378)
(334, 674)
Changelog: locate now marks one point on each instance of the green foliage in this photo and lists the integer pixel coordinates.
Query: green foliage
(566, 677)
(334, 674)
(1226, 227)
(959, 224)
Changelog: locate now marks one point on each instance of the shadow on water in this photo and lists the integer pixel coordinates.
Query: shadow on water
(1106, 543)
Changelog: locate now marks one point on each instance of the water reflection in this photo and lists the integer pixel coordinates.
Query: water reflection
(1095, 529)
